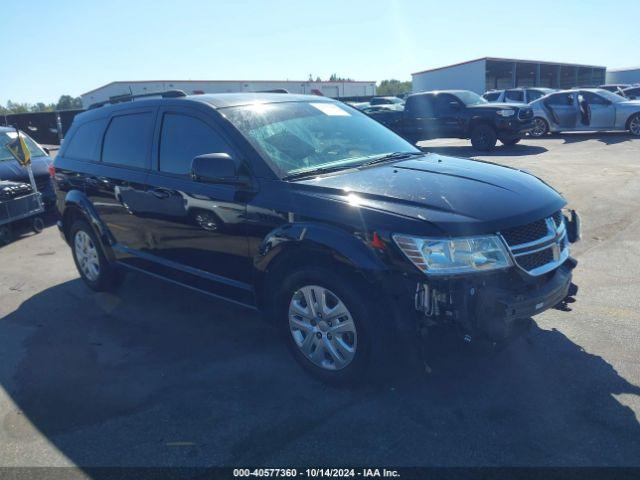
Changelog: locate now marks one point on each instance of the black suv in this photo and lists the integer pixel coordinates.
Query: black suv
(336, 228)
(459, 114)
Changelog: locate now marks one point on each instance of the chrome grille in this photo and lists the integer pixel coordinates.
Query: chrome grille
(526, 233)
(538, 247)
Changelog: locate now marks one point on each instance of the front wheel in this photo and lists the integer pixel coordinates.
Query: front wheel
(483, 137)
(634, 125)
(330, 325)
(540, 127)
(90, 260)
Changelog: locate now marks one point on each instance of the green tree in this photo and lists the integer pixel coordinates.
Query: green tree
(335, 78)
(15, 107)
(67, 102)
(43, 107)
(393, 87)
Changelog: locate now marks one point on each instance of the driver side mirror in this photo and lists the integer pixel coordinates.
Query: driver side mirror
(215, 168)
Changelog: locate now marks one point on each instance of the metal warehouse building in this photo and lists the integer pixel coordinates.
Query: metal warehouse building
(337, 89)
(489, 73)
(623, 75)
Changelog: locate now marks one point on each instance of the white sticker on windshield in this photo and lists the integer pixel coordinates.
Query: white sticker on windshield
(12, 135)
(331, 109)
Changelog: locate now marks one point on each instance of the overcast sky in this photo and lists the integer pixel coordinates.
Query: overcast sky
(60, 47)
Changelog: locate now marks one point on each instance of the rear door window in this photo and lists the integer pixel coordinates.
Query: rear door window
(514, 96)
(184, 137)
(85, 143)
(560, 99)
(491, 97)
(593, 98)
(534, 95)
(128, 140)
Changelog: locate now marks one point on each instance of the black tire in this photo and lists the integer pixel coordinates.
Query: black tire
(38, 224)
(5, 234)
(542, 128)
(633, 125)
(370, 350)
(483, 138)
(109, 277)
(510, 141)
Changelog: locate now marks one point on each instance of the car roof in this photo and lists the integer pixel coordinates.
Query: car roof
(222, 100)
(214, 100)
(437, 92)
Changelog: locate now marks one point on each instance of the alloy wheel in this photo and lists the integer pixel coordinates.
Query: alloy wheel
(540, 127)
(87, 255)
(322, 327)
(634, 126)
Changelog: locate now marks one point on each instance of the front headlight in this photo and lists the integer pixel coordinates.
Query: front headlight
(506, 113)
(450, 256)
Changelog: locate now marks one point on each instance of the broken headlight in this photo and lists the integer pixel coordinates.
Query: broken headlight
(450, 256)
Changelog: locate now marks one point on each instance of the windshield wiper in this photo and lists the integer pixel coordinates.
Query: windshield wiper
(316, 171)
(392, 156)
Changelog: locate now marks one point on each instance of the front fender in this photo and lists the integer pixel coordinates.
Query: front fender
(343, 246)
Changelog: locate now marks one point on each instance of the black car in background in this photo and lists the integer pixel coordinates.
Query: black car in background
(10, 169)
(345, 236)
(458, 114)
(386, 101)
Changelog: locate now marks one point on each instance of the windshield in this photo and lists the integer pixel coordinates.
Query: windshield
(613, 97)
(470, 98)
(6, 137)
(297, 136)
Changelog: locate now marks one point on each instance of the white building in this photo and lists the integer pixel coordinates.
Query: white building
(489, 73)
(338, 89)
(624, 75)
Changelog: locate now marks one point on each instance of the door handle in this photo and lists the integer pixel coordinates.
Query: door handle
(161, 193)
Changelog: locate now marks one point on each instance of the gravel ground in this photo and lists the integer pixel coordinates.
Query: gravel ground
(157, 375)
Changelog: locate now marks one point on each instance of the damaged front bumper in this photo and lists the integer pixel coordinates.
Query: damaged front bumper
(488, 307)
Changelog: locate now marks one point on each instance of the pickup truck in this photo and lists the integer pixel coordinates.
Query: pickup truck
(458, 114)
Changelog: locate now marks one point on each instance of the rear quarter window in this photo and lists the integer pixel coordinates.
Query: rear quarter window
(128, 139)
(85, 143)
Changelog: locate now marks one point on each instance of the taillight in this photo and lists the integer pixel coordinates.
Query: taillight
(52, 170)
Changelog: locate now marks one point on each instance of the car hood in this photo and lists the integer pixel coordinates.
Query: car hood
(12, 170)
(457, 196)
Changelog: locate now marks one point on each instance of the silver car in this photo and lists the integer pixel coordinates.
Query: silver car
(585, 109)
(517, 95)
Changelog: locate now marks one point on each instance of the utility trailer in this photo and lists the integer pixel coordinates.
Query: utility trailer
(19, 203)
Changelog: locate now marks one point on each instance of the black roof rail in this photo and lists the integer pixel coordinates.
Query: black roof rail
(130, 97)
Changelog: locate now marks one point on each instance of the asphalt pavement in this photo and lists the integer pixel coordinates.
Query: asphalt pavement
(156, 375)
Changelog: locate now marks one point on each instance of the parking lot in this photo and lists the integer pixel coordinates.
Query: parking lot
(158, 375)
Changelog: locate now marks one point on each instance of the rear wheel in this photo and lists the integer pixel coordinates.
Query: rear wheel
(483, 137)
(90, 260)
(330, 325)
(540, 127)
(634, 125)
